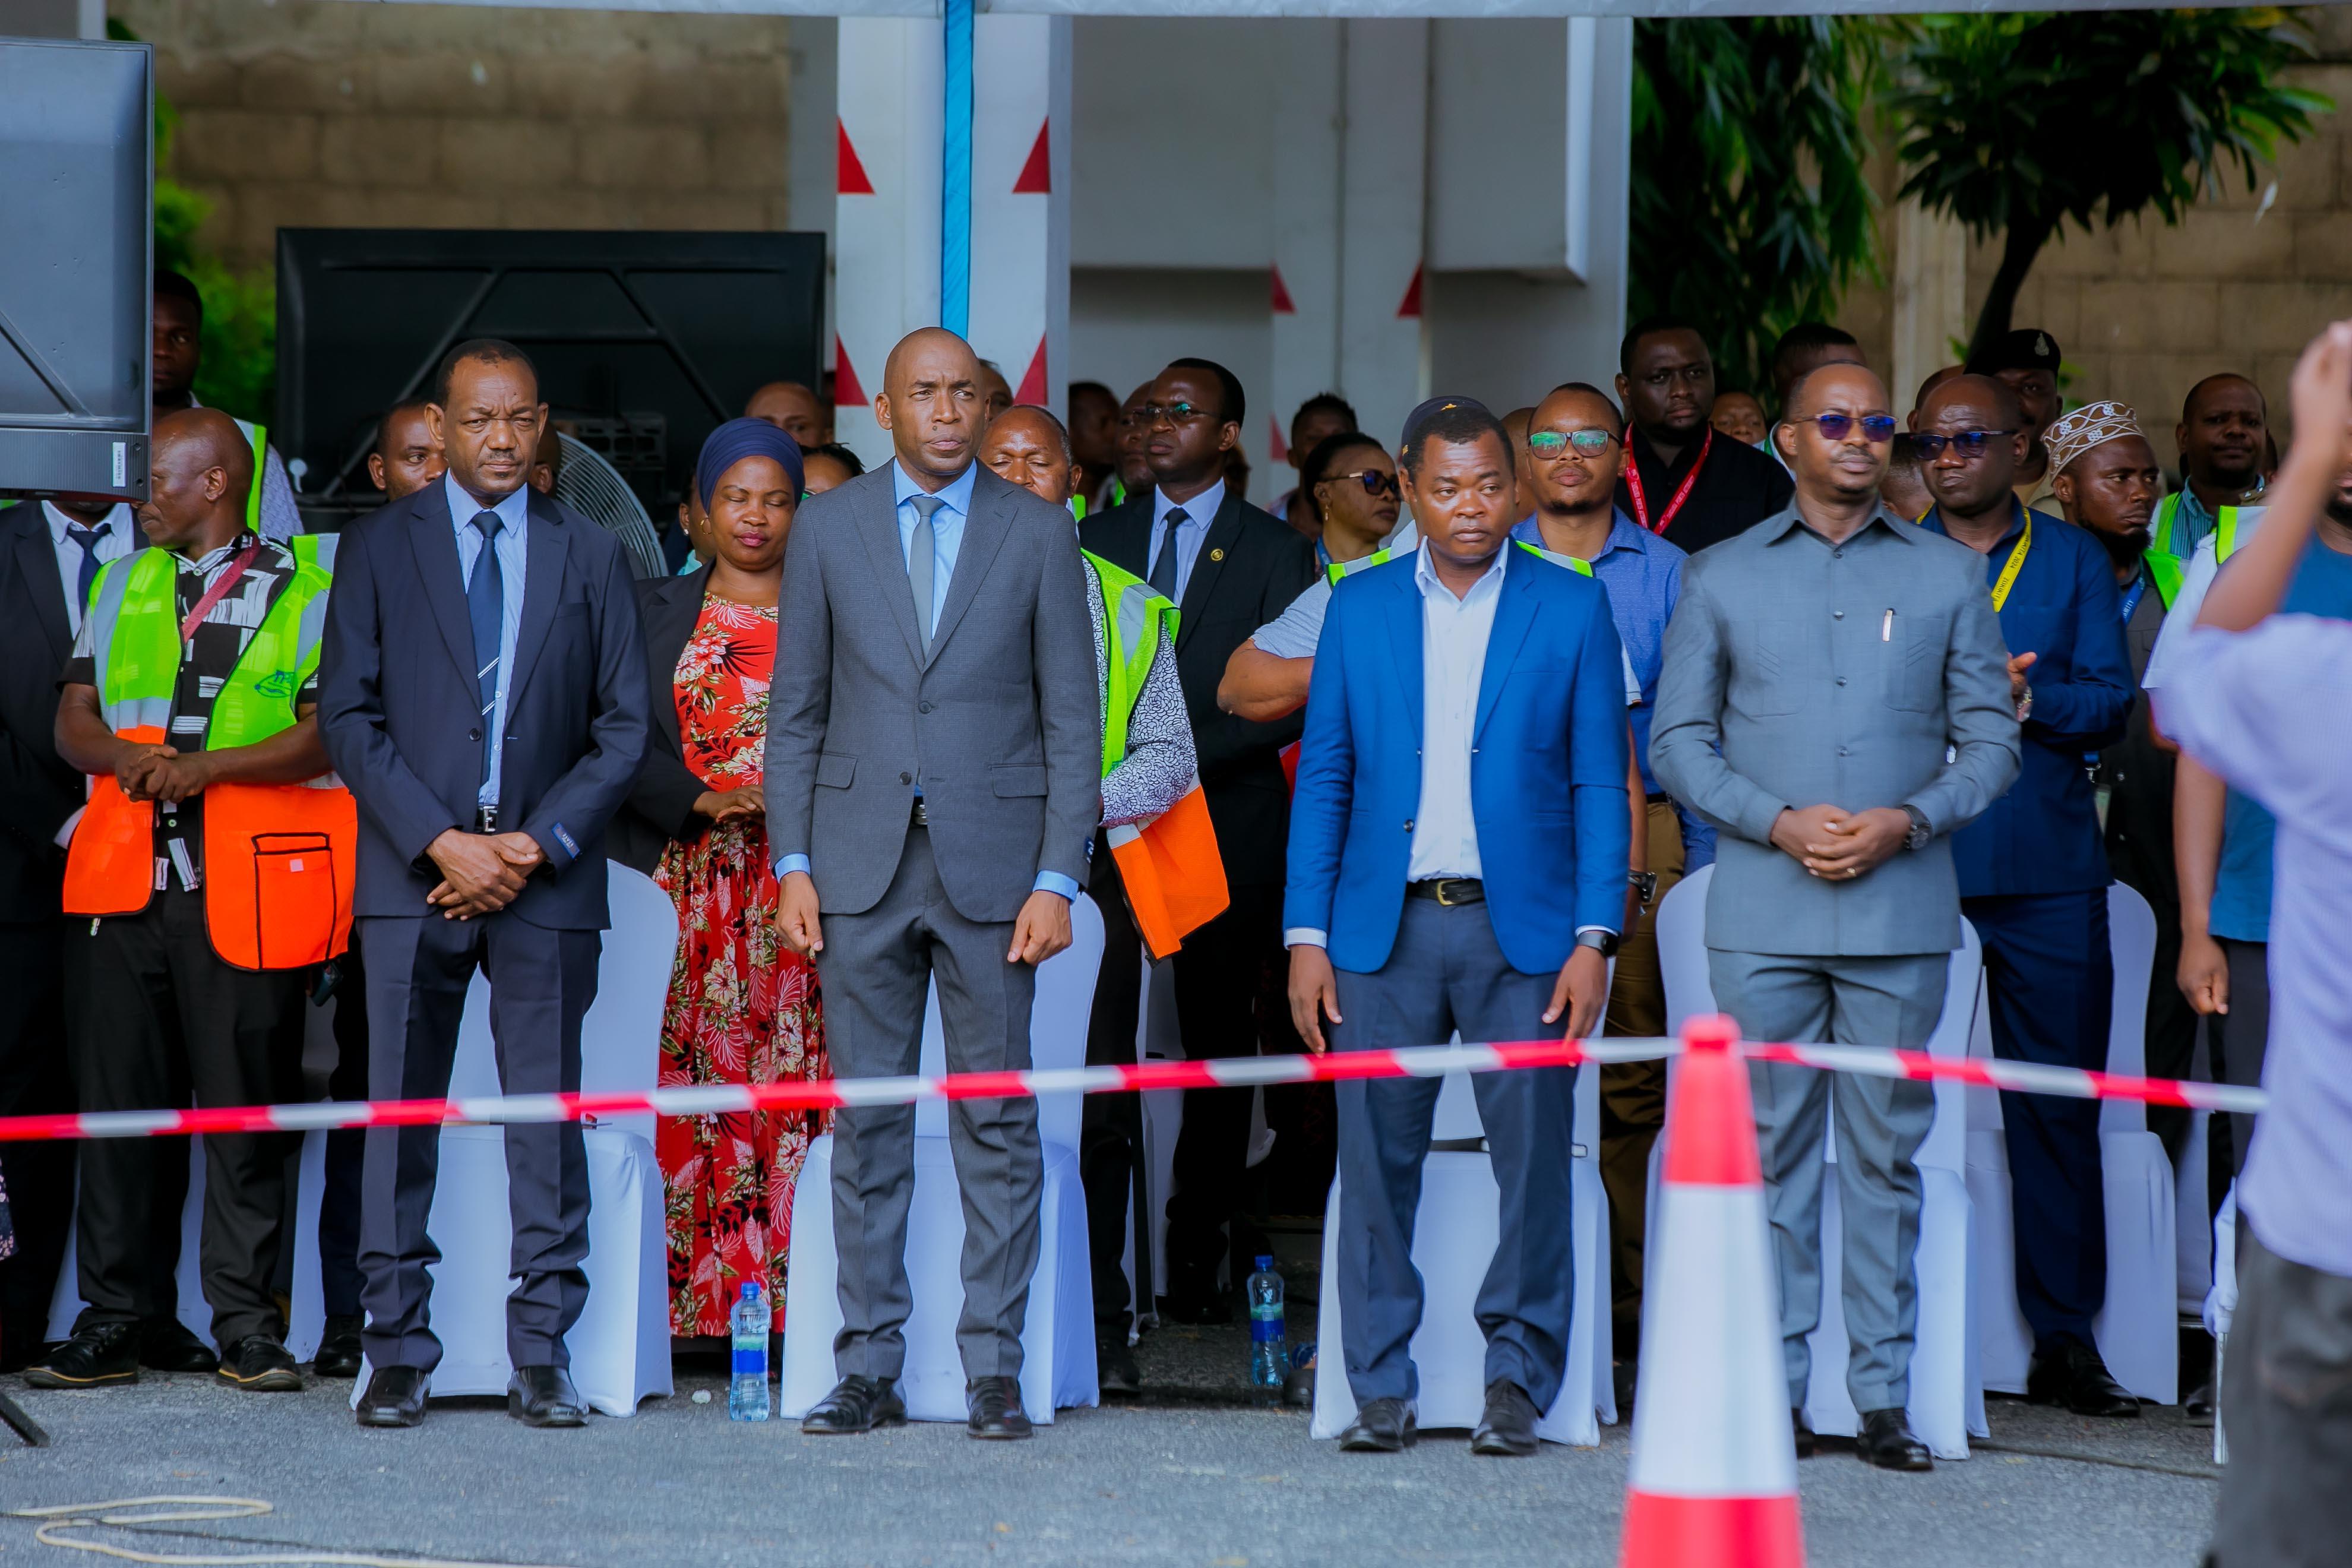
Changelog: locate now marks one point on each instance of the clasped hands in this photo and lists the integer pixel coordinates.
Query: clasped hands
(151, 770)
(481, 872)
(1837, 845)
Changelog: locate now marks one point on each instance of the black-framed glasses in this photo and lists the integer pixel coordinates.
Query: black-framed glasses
(1877, 428)
(1375, 483)
(1550, 444)
(1174, 412)
(1969, 444)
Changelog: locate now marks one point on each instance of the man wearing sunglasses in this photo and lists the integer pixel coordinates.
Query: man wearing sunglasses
(1817, 669)
(1230, 569)
(2033, 869)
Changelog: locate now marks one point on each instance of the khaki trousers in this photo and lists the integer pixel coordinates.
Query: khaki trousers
(1634, 1094)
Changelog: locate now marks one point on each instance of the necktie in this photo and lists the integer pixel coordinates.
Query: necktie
(88, 538)
(922, 563)
(486, 608)
(1164, 571)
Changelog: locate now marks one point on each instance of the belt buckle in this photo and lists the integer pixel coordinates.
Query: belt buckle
(486, 819)
(922, 813)
(1444, 902)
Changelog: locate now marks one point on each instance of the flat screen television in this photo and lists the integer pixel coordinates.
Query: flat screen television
(644, 341)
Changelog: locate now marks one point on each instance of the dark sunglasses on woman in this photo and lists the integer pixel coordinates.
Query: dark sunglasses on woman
(1375, 483)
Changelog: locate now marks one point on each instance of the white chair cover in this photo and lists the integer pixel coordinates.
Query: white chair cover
(1455, 1233)
(1946, 1404)
(1057, 1340)
(2139, 1328)
(2192, 1226)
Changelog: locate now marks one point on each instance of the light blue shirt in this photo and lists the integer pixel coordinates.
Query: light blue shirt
(514, 556)
(1199, 512)
(947, 543)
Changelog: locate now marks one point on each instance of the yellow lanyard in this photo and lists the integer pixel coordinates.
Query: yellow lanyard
(2015, 563)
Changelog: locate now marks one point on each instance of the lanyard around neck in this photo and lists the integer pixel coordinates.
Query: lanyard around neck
(1642, 502)
(2015, 564)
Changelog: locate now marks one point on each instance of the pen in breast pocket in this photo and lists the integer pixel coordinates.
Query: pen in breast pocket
(1886, 627)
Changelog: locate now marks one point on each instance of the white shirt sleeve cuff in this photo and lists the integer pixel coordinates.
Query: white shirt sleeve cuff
(1054, 882)
(1304, 936)
(1605, 931)
(791, 863)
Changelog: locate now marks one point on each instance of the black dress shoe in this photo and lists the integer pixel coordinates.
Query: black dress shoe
(1887, 1442)
(994, 1403)
(1383, 1427)
(1509, 1426)
(1804, 1431)
(259, 1364)
(395, 1397)
(2199, 1406)
(2070, 1373)
(856, 1404)
(166, 1345)
(339, 1348)
(1114, 1368)
(95, 1356)
(543, 1397)
(1196, 1307)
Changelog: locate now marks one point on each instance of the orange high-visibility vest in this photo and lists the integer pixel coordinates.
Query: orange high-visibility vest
(279, 859)
(1169, 864)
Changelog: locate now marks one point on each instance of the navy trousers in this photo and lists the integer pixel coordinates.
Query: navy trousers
(1447, 973)
(2052, 977)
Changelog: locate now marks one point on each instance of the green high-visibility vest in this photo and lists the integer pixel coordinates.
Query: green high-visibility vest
(135, 641)
(2165, 570)
(1135, 618)
(2166, 563)
(1556, 558)
(259, 436)
(1339, 569)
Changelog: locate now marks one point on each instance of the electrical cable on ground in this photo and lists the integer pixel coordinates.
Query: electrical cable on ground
(183, 1509)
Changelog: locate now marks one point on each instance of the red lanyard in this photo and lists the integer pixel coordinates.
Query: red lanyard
(219, 590)
(1642, 504)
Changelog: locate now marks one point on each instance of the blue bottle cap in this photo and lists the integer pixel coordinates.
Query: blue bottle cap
(751, 1292)
(1265, 1263)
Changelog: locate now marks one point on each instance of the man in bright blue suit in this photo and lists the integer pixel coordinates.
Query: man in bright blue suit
(1458, 860)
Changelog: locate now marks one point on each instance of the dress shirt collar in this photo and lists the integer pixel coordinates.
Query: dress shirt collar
(1424, 574)
(118, 525)
(513, 510)
(1624, 534)
(956, 493)
(1201, 510)
(1777, 526)
(1934, 523)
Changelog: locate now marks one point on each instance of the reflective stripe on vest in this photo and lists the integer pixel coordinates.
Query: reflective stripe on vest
(259, 436)
(1555, 557)
(1339, 569)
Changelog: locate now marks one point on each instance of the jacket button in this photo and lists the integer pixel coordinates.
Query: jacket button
(924, 708)
(1837, 614)
(906, 778)
(473, 734)
(1841, 681)
(1408, 825)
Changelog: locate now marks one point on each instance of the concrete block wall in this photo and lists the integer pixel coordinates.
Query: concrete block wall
(321, 112)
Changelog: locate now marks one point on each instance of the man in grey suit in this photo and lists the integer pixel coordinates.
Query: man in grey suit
(933, 762)
(1836, 702)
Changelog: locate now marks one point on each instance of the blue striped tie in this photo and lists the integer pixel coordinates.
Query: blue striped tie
(486, 606)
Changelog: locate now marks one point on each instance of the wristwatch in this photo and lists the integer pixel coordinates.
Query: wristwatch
(2026, 704)
(1920, 832)
(1602, 941)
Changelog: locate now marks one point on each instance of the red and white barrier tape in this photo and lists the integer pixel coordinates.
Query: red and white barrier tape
(1240, 1072)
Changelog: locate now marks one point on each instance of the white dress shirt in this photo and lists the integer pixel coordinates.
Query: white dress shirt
(1454, 635)
(1199, 512)
(514, 559)
(120, 537)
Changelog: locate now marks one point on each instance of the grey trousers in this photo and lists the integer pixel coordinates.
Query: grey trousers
(875, 967)
(541, 984)
(1881, 1122)
(2286, 1402)
(1447, 973)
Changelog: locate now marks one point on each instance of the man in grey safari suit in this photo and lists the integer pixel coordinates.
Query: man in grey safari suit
(1836, 701)
(933, 761)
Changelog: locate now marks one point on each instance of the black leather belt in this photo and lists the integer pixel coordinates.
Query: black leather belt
(1449, 890)
(921, 817)
(1657, 797)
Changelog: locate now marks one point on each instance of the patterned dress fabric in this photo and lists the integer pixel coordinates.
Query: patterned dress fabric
(743, 1008)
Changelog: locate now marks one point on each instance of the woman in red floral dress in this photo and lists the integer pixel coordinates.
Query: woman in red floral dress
(743, 1008)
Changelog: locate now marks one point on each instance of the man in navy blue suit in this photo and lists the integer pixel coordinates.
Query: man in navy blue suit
(1458, 860)
(484, 695)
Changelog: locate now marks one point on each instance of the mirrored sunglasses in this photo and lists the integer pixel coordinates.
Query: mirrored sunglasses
(1550, 444)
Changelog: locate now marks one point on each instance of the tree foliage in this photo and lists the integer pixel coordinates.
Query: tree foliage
(2016, 124)
(1751, 209)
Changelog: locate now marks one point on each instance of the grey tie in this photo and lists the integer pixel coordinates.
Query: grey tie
(922, 563)
(1164, 571)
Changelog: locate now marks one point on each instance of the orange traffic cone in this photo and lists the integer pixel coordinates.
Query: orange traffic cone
(1714, 1479)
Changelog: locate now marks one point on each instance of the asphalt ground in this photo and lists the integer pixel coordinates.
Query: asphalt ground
(1186, 1476)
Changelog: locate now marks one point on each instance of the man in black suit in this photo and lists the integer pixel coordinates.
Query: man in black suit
(1230, 569)
(485, 694)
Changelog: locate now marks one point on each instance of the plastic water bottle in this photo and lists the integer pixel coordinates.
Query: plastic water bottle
(747, 1390)
(1270, 1354)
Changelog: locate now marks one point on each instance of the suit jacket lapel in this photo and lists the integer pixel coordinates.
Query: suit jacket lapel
(543, 584)
(430, 536)
(1515, 617)
(1224, 531)
(983, 536)
(1404, 639)
(877, 523)
(36, 557)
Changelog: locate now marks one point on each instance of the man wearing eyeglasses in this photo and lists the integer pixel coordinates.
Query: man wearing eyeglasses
(1230, 568)
(1817, 669)
(1573, 449)
(1682, 480)
(2034, 871)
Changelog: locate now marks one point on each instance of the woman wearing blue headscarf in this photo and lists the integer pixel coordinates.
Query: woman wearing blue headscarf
(743, 1008)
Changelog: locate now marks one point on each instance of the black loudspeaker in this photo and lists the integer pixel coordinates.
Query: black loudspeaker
(644, 341)
(76, 189)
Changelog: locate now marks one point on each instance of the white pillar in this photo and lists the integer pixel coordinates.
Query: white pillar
(1303, 288)
(886, 212)
(1021, 201)
(1384, 356)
